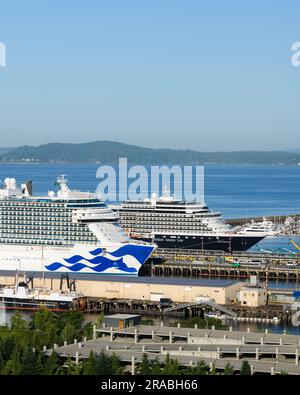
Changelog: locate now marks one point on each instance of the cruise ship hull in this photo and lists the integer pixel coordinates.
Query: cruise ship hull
(217, 243)
(119, 258)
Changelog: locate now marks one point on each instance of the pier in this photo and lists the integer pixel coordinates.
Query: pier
(210, 269)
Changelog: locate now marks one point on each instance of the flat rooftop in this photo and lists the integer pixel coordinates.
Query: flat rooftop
(122, 316)
(128, 279)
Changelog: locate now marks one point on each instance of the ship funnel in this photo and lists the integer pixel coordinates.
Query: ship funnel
(29, 186)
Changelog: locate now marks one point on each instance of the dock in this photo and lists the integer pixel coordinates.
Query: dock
(213, 269)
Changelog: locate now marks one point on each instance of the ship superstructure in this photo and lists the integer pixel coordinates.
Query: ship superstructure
(172, 223)
(66, 231)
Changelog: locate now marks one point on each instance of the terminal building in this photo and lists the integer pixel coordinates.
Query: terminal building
(140, 288)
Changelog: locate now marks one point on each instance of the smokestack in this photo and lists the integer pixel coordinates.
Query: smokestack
(29, 186)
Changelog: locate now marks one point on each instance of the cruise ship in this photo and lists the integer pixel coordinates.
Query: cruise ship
(171, 223)
(64, 231)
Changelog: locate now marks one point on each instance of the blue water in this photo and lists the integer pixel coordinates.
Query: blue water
(237, 191)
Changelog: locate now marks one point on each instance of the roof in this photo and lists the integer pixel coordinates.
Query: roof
(132, 279)
(121, 316)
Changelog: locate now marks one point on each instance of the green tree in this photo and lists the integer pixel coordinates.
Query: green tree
(245, 369)
(13, 366)
(145, 367)
(200, 369)
(52, 365)
(156, 368)
(69, 332)
(89, 367)
(87, 330)
(17, 322)
(171, 366)
(116, 365)
(30, 363)
(228, 370)
(213, 371)
(73, 369)
(41, 319)
(99, 320)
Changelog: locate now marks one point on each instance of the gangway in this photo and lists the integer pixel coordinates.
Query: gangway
(209, 303)
(295, 244)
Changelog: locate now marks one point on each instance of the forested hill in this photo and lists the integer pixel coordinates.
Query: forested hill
(110, 152)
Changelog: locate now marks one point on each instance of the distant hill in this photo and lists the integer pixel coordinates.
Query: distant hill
(5, 149)
(110, 152)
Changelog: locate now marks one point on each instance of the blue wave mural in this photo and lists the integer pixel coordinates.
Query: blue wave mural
(119, 264)
(98, 259)
(139, 252)
(97, 251)
(102, 263)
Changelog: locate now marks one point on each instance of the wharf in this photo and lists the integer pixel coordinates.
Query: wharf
(212, 269)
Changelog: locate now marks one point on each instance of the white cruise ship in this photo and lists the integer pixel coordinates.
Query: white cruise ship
(66, 231)
(171, 223)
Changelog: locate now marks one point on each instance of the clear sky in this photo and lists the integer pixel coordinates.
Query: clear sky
(206, 75)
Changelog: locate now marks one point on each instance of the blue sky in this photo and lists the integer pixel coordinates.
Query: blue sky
(206, 75)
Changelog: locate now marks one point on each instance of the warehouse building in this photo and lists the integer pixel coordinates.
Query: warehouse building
(142, 288)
